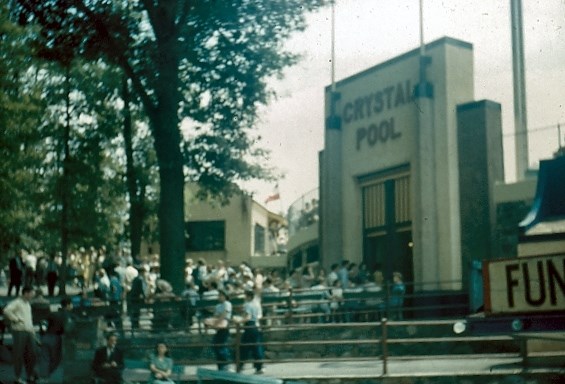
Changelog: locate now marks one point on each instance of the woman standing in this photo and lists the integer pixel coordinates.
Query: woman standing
(161, 365)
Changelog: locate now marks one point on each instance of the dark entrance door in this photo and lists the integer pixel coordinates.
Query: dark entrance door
(387, 225)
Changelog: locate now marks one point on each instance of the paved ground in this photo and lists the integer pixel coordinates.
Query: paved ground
(478, 366)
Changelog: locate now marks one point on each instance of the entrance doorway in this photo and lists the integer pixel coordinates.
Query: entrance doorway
(387, 224)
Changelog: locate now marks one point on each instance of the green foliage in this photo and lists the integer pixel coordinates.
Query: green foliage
(224, 53)
(96, 165)
(20, 108)
(33, 114)
(204, 62)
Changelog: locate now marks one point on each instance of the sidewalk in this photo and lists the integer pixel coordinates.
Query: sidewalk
(427, 367)
(421, 368)
(7, 374)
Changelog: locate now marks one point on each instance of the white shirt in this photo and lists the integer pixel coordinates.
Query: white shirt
(18, 311)
(332, 277)
(210, 295)
(130, 274)
(31, 261)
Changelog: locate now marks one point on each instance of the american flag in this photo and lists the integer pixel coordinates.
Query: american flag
(275, 196)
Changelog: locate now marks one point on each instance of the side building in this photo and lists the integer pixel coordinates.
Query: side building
(240, 231)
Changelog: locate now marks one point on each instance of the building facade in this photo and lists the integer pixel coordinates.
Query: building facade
(241, 231)
(390, 192)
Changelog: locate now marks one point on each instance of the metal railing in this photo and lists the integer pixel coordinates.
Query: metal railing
(303, 212)
(383, 341)
(359, 304)
(304, 337)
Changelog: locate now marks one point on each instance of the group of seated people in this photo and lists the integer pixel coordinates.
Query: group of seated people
(108, 363)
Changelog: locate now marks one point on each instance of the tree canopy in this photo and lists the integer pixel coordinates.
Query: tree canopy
(202, 65)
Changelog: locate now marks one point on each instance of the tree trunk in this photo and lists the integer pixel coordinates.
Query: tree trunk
(167, 146)
(65, 187)
(136, 210)
(171, 206)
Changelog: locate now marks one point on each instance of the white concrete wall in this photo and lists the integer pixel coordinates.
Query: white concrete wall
(240, 216)
(451, 72)
(237, 217)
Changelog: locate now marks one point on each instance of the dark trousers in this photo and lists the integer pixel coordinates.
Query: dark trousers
(251, 348)
(51, 283)
(134, 312)
(24, 353)
(16, 285)
(221, 349)
(52, 349)
(114, 316)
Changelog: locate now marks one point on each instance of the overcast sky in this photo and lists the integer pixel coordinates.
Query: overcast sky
(369, 32)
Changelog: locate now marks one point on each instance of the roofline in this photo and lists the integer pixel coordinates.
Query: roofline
(414, 52)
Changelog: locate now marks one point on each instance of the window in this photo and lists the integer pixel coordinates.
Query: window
(259, 240)
(205, 236)
(387, 199)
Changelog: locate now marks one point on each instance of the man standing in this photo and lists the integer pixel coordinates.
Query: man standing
(16, 273)
(251, 339)
(115, 297)
(138, 295)
(220, 322)
(343, 274)
(18, 312)
(52, 275)
(396, 300)
(58, 324)
(108, 362)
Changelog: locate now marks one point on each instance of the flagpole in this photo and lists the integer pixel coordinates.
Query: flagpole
(333, 47)
(281, 210)
(422, 46)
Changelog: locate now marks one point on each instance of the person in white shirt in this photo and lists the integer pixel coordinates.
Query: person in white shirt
(18, 312)
(130, 273)
(29, 270)
(188, 269)
(332, 276)
(220, 322)
(251, 341)
(212, 293)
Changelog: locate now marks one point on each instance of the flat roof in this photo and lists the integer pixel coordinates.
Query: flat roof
(414, 52)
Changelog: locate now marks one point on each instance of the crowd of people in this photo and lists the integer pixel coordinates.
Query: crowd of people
(115, 279)
(120, 284)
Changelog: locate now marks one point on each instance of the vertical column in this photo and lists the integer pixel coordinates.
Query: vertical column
(519, 80)
(331, 196)
(425, 213)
